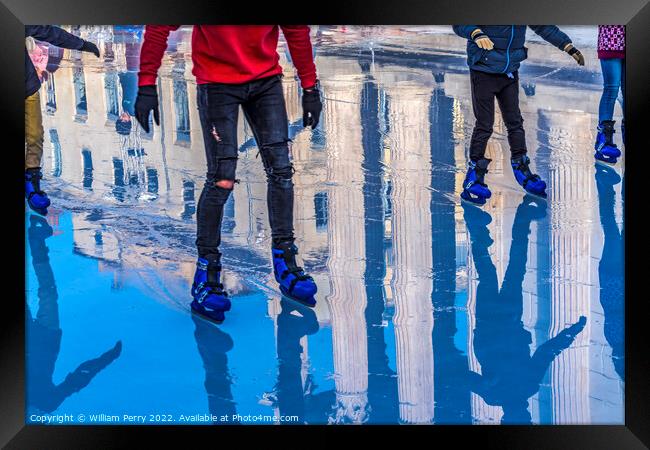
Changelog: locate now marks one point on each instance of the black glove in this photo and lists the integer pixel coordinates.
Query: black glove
(146, 101)
(311, 107)
(575, 53)
(90, 48)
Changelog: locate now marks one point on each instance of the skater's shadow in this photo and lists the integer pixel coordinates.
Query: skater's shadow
(44, 333)
(510, 375)
(611, 267)
(213, 345)
(293, 394)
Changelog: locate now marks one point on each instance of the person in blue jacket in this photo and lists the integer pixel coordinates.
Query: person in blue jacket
(494, 53)
(36, 198)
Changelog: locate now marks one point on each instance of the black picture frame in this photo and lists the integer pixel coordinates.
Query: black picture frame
(635, 14)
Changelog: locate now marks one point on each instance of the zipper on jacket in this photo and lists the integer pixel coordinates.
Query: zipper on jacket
(512, 35)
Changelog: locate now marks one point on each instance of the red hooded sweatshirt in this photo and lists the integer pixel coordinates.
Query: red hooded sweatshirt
(232, 54)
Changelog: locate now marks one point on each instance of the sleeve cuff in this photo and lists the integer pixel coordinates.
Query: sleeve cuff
(308, 82)
(146, 80)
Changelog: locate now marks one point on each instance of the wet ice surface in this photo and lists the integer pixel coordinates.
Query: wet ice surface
(428, 311)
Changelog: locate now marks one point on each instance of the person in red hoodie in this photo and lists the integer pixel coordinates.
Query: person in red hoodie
(238, 65)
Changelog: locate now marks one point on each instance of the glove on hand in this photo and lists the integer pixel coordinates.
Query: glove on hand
(145, 102)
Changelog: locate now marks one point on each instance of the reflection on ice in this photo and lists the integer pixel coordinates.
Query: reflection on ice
(428, 312)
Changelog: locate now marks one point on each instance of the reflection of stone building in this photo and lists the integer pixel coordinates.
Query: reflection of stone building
(346, 237)
(332, 226)
(409, 145)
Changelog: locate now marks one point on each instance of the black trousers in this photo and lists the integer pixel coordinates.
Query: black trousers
(263, 104)
(485, 87)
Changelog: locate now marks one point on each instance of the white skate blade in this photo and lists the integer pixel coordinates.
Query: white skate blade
(605, 163)
(469, 202)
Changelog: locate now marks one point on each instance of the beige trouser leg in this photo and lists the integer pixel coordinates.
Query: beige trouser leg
(33, 131)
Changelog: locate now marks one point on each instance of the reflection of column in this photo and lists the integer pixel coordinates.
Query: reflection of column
(346, 245)
(452, 395)
(483, 413)
(181, 108)
(382, 383)
(112, 96)
(411, 231)
(570, 186)
(50, 87)
(79, 82)
(56, 153)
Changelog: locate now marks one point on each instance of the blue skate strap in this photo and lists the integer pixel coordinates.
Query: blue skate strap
(298, 275)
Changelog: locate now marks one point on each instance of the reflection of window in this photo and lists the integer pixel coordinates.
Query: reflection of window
(56, 153)
(81, 103)
(182, 111)
(188, 200)
(112, 96)
(384, 119)
(320, 208)
(388, 205)
(152, 180)
(51, 94)
(118, 177)
(87, 160)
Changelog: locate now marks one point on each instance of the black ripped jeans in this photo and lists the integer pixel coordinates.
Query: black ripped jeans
(263, 104)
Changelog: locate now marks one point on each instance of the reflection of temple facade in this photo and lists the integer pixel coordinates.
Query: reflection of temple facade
(160, 177)
(346, 237)
(409, 145)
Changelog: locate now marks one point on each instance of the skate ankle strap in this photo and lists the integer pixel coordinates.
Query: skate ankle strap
(298, 273)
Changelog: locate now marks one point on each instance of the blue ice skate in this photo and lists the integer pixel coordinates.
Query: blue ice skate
(606, 150)
(210, 299)
(294, 282)
(475, 190)
(606, 175)
(36, 198)
(531, 182)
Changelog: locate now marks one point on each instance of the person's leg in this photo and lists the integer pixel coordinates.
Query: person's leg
(33, 132)
(36, 198)
(623, 101)
(218, 113)
(483, 92)
(266, 113)
(508, 98)
(483, 89)
(612, 75)
(606, 150)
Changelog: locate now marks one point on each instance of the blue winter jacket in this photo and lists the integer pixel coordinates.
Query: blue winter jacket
(55, 36)
(509, 48)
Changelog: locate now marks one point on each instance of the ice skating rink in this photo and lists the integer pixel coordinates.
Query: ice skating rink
(428, 311)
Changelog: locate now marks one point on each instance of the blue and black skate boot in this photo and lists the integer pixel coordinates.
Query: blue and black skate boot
(294, 282)
(474, 188)
(36, 198)
(210, 299)
(531, 182)
(606, 150)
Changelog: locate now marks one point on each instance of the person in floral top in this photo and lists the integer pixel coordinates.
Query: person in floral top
(611, 52)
